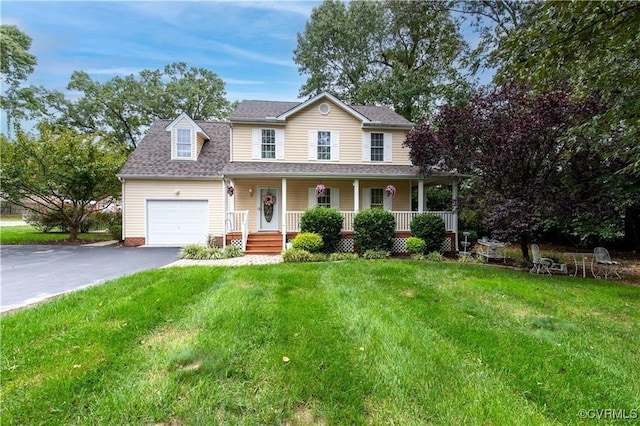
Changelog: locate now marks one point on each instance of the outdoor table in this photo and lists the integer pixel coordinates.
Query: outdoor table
(492, 250)
(581, 258)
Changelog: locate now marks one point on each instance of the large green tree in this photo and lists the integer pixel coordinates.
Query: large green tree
(594, 47)
(124, 107)
(396, 53)
(16, 63)
(59, 172)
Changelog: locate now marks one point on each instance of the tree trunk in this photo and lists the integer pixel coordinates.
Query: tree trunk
(524, 247)
(73, 232)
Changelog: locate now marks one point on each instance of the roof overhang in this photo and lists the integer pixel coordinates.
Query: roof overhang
(323, 95)
(166, 177)
(182, 116)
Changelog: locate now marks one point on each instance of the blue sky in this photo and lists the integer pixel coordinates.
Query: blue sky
(248, 44)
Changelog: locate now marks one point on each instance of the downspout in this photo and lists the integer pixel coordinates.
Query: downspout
(225, 201)
(122, 208)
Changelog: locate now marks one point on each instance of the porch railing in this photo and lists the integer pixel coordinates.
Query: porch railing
(238, 221)
(403, 220)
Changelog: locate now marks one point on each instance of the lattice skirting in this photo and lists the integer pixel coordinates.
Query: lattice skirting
(399, 245)
(237, 243)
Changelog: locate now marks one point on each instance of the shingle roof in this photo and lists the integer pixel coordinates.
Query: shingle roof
(152, 157)
(246, 168)
(260, 110)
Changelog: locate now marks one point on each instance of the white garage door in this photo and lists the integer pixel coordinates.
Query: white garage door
(177, 223)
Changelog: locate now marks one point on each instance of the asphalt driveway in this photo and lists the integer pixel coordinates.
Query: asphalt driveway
(31, 273)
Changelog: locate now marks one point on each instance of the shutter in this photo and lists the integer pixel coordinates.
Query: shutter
(366, 146)
(313, 198)
(388, 146)
(387, 202)
(335, 146)
(366, 198)
(313, 145)
(279, 144)
(335, 198)
(256, 144)
(174, 143)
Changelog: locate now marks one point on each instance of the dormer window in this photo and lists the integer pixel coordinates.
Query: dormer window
(183, 143)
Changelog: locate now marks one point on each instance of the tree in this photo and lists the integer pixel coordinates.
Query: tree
(516, 142)
(396, 53)
(124, 107)
(594, 47)
(60, 172)
(16, 63)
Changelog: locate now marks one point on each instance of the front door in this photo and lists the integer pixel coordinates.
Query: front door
(268, 209)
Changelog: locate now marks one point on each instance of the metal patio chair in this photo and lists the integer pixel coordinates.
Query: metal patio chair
(604, 263)
(544, 264)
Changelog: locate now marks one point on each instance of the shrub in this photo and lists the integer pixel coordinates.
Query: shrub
(376, 254)
(192, 251)
(325, 222)
(374, 229)
(293, 255)
(318, 257)
(469, 259)
(232, 251)
(431, 229)
(336, 257)
(435, 256)
(415, 245)
(116, 231)
(417, 256)
(308, 241)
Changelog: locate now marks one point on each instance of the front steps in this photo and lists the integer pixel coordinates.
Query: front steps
(264, 243)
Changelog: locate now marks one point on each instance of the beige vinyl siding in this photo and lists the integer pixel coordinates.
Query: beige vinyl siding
(296, 136)
(196, 145)
(137, 192)
(243, 201)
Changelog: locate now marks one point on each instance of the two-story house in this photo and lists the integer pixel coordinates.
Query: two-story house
(248, 181)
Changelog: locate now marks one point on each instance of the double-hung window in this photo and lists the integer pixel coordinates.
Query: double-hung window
(183, 143)
(324, 145)
(377, 198)
(324, 200)
(377, 146)
(268, 143)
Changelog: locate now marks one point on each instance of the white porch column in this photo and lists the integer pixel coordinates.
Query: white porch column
(454, 205)
(356, 195)
(225, 209)
(284, 213)
(421, 195)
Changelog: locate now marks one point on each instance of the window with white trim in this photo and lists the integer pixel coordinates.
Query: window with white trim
(324, 145)
(183, 143)
(268, 143)
(325, 199)
(377, 198)
(377, 146)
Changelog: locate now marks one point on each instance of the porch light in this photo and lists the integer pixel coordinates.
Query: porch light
(250, 191)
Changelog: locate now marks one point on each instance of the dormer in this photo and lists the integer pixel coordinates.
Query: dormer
(187, 138)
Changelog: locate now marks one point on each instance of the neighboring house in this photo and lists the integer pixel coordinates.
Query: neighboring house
(248, 181)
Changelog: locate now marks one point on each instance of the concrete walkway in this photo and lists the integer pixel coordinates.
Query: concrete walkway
(248, 259)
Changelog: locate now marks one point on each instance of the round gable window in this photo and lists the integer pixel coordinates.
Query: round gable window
(324, 108)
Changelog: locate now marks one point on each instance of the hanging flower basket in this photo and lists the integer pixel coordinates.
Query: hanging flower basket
(230, 190)
(390, 190)
(320, 188)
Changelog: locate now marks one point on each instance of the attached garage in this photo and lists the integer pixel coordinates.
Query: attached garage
(177, 222)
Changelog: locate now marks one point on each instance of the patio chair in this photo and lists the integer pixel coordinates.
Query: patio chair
(604, 263)
(544, 264)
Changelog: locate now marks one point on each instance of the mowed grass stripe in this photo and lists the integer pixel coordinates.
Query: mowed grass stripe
(423, 376)
(368, 342)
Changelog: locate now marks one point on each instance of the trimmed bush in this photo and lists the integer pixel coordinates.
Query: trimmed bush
(415, 245)
(198, 252)
(431, 229)
(232, 251)
(116, 232)
(374, 229)
(308, 241)
(325, 222)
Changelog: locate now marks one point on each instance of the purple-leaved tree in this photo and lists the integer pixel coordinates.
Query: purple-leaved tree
(516, 143)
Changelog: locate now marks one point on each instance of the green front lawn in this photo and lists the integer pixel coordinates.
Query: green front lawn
(366, 342)
(30, 235)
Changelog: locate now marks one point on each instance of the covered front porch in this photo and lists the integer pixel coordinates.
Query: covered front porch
(263, 214)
